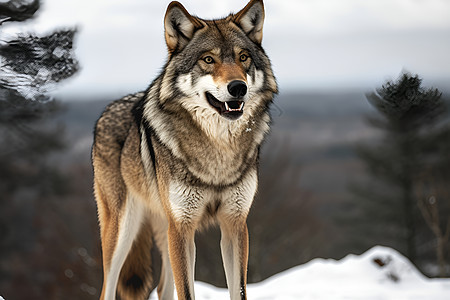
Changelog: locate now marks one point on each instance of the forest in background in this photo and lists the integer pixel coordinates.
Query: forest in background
(338, 173)
(306, 206)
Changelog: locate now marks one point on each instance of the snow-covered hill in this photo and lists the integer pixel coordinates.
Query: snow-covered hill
(381, 273)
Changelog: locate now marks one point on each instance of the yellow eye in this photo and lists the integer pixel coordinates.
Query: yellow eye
(243, 57)
(208, 60)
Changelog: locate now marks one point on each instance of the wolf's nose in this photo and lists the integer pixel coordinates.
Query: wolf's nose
(237, 88)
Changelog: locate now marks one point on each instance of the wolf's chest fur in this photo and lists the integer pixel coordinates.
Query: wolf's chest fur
(207, 150)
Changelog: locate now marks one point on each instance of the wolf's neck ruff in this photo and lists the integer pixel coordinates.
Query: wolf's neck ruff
(213, 149)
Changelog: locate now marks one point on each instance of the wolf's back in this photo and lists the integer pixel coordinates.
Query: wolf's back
(113, 125)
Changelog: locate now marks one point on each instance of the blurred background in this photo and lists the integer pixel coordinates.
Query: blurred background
(358, 154)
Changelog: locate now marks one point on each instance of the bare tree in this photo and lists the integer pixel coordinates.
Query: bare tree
(431, 195)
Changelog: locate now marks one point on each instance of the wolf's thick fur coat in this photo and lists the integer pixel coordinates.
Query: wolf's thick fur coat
(184, 154)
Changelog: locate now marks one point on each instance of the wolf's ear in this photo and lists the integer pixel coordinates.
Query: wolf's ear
(179, 26)
(251, 19)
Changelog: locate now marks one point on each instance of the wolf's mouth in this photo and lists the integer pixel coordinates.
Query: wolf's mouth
(230, 109)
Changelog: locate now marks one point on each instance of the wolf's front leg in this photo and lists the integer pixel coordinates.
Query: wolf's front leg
(182, 258)
(183, 210)
(234, 246)
(232, 218)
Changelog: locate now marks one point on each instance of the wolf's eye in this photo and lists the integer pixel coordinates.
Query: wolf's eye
(243, 57)
(208, 60)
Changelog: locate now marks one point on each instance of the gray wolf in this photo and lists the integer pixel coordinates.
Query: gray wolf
(184, 154)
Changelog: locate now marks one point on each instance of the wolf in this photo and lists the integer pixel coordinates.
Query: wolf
(183, 155)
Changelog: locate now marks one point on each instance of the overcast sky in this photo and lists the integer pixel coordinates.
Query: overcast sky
(313, 44)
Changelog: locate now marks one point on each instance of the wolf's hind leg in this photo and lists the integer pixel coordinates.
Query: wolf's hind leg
(166, 283)
(129, 222)
(136, 276)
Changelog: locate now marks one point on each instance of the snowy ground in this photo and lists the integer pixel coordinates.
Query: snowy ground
(379, 274)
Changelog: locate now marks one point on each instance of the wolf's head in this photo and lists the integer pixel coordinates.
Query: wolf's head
(217, 69)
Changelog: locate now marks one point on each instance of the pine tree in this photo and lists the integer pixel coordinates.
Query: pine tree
(31, 66)
(407, 117)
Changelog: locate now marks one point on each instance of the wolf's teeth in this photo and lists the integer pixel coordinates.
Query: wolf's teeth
(226, 106)
(242, 106)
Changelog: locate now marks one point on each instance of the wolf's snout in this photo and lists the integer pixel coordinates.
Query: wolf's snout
(237, 88)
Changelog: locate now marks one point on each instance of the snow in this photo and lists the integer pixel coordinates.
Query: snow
(381, 273)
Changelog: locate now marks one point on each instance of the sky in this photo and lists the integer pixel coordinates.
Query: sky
(313, 44)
